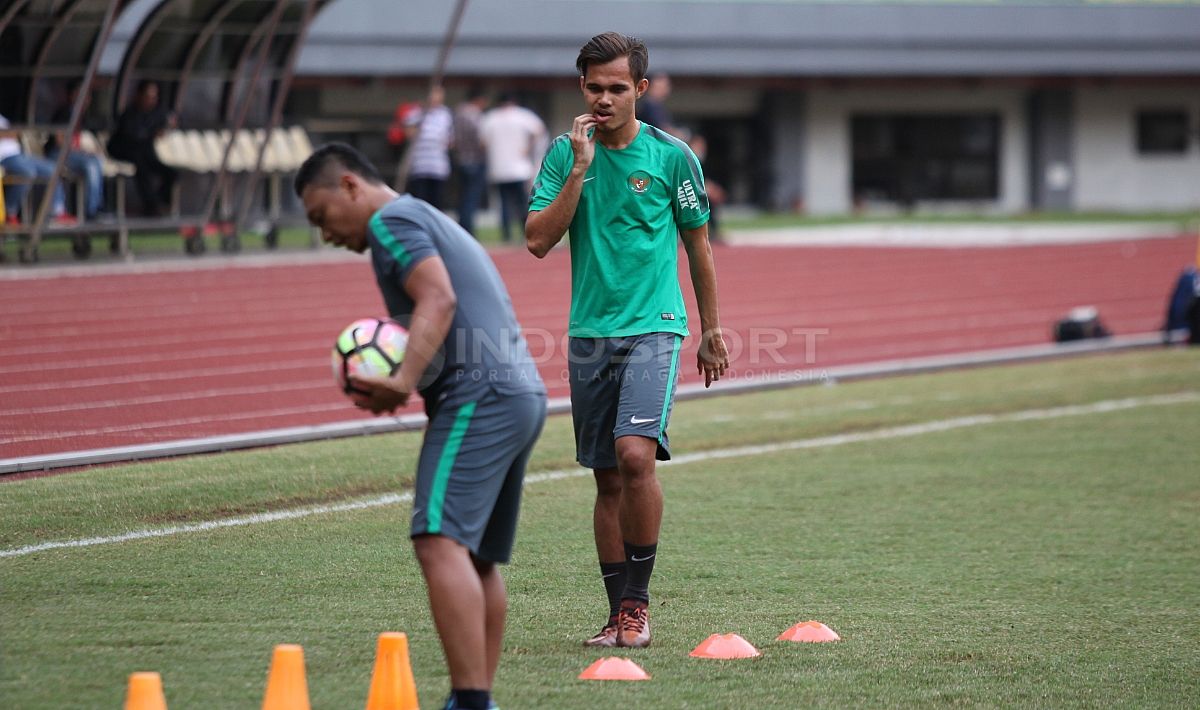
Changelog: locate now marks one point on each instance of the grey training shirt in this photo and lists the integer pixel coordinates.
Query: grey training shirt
(484, 349)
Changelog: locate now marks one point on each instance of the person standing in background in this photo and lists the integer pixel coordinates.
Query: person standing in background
(514, 138)
(652, 107)
(430, 167)
(716, 193)
(469, 157)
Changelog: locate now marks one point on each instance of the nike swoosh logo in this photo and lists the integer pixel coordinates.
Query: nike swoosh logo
(610, 574)
(635, 420)
(591, 178)
(635, 558)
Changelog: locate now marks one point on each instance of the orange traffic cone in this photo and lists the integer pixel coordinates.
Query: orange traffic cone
(286, 687)
(145, 692)
(809, 632)
(614, 668)
(392, 685)
(724, 646)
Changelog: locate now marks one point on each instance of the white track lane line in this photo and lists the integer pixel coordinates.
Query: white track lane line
(222, 353)
(185, 374)
(909, 430)
(164, 398)
(187, 421)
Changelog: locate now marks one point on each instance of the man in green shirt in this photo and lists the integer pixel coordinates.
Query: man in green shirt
(625, 190)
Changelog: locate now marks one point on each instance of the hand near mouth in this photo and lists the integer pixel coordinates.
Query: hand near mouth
(582, 144)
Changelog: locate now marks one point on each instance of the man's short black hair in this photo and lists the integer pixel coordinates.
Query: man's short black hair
(321, 168)
(604, 48)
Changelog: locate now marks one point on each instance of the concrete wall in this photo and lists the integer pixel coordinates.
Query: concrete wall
(827, 159)
(1111, 175)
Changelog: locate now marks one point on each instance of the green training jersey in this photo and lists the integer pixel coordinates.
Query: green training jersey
(624, 249)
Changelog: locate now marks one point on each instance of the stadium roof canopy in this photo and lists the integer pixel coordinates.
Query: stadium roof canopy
(48, 41)
(205, 53)
(774, 38)
(226, 63)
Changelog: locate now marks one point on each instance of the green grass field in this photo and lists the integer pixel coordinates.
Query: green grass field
(1045, 560)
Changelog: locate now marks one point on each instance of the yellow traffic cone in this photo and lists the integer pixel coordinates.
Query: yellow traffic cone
(145, 692)
(286, 687)
(392, 685)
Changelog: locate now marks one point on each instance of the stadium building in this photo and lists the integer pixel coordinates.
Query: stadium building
(831, 107)
(824, 107)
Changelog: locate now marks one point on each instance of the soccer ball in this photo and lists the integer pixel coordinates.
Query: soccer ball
(368, 346)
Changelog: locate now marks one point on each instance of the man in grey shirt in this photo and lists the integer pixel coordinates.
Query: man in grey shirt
(485, 400)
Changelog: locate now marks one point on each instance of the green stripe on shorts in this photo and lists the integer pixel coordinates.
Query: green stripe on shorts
(662, 422)
(389, 241)
(441, 478)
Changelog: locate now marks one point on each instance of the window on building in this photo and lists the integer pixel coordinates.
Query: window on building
(1162, 131)
(904, 158)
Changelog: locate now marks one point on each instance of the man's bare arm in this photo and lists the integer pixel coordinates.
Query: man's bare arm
(713, 358)
(545, 228)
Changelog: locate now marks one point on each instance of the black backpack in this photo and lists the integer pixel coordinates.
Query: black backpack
(1080, 324)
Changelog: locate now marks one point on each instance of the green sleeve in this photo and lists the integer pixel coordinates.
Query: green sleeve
(556, 166)
(691, 201)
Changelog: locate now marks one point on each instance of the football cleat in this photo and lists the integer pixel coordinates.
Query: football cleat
(607, 638)
(633, 625)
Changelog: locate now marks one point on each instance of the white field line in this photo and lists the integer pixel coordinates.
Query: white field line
(909, 430)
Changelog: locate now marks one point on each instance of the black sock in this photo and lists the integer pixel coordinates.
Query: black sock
(640, 561)
(471, 699)
(614, 575)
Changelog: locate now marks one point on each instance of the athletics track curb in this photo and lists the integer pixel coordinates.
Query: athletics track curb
(562, 405)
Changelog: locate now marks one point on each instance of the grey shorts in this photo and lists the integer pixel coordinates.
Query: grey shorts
(621, 387)
(471, 468)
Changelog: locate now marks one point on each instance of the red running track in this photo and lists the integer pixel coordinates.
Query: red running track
(91, 360)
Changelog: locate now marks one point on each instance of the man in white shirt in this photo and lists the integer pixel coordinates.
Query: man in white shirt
(430, 167)
(514, 138)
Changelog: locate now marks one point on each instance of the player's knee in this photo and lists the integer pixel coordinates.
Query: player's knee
(635, 460)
